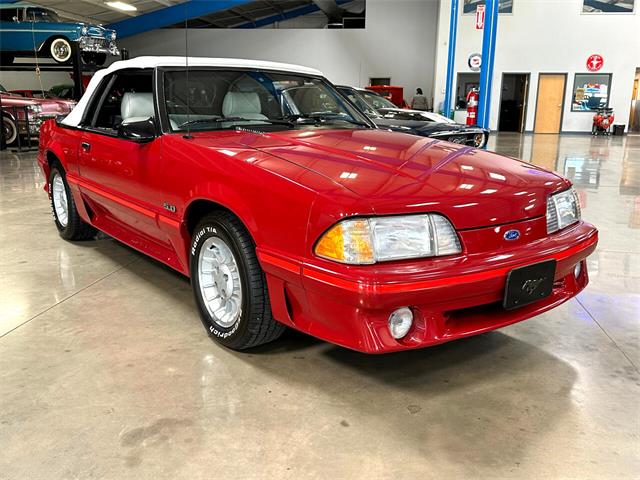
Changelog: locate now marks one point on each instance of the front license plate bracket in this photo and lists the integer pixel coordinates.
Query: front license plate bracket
(529, 284)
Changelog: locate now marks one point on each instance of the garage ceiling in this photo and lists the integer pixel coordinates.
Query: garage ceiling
(97, 11)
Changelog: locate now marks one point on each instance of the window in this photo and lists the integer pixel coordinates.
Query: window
(42, 15)
(355, 98)
(8, 14)
(380, 81)
(466, 82)
(127, 95)
(218, 99)
(607, 6)
(377, 101)
(590, 91)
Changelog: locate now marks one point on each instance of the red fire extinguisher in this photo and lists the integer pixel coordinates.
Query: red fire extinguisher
(472, 106)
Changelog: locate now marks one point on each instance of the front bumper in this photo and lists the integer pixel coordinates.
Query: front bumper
(98, 45)
(451, 298)
(34, 126)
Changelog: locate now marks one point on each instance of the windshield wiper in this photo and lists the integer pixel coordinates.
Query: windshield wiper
(236, 119)
(324, 117)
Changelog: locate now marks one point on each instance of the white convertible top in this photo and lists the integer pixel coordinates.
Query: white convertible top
(74, 118)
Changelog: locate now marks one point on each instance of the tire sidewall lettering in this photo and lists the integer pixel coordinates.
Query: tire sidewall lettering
(198, 236)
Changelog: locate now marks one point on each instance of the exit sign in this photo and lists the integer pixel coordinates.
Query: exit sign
(480, 16)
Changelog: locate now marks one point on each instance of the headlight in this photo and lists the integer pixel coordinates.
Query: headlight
(362, 241)
(563, 209)
(113, 35)
(84, 30)
(34, 108)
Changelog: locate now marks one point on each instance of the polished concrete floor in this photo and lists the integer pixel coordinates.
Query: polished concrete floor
(107, 373)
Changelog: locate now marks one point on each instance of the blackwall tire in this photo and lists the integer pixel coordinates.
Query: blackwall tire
(64, 210)
(60, 50)
(221, 283)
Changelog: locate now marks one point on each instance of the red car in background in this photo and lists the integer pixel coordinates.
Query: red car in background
(286, 207)
(392, 93)
(17, 108)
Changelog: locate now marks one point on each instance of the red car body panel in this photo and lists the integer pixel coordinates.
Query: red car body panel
(289, 187)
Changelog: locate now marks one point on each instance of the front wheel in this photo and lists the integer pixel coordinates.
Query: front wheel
(60, 50)
(63, 207)
(229, 285)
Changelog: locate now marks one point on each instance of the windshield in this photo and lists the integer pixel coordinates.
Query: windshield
(376, 101)
(353, 95)
(42, 15)
(224, 99)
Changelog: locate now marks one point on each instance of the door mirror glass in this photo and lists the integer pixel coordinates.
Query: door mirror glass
(138, 130)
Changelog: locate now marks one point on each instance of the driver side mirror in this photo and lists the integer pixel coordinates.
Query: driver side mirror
(138, 130)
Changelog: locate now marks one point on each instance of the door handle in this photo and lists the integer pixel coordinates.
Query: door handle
(85, 146)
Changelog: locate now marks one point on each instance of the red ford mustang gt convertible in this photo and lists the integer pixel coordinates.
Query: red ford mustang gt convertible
(286, 207)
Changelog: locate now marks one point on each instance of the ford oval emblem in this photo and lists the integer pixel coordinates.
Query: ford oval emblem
(511, 235)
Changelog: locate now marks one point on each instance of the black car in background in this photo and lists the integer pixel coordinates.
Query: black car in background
(387, 115)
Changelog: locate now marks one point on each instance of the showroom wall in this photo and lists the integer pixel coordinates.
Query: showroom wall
(397, 43)
(550, 36)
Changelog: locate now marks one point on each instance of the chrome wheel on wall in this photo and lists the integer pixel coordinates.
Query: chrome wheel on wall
(60, 50)
(229, 286)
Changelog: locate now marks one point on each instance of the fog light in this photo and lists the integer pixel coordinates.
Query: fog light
(577, 269)
(400, 322)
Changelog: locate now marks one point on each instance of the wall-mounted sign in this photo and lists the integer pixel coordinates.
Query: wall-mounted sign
(607, 6)
(475, 62)
(595, 62)
(469, 7)
(480, 16)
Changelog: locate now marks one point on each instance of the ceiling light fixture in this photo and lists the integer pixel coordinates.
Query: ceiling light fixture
(125, 7)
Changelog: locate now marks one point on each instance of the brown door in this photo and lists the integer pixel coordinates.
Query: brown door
(549, 103)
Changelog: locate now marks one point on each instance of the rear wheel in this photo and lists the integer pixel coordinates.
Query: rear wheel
(9, 131)
(60, 50)
(63, 207)
(229, 286)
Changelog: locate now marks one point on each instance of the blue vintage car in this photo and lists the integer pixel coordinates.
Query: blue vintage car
(26, 29)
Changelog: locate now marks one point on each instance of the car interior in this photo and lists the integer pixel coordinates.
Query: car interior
(129, 97)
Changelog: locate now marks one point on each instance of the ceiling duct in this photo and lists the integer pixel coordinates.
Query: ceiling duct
(339, 17)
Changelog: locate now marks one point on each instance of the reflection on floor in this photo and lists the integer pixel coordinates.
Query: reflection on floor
(106, 371)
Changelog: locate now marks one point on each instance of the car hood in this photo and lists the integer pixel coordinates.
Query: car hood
(92, 29)
(398, 173)
(422, 127)
(10, 100)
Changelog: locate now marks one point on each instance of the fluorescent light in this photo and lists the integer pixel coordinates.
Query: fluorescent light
(125, 7)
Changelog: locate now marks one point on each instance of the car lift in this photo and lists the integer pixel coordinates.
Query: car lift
(77, 67)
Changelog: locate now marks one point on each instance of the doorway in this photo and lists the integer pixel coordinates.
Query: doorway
(634, 116)
(513, 102)
(550, 102)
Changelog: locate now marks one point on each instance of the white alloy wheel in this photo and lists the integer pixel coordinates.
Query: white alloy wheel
(60, 204)
(219, 282)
